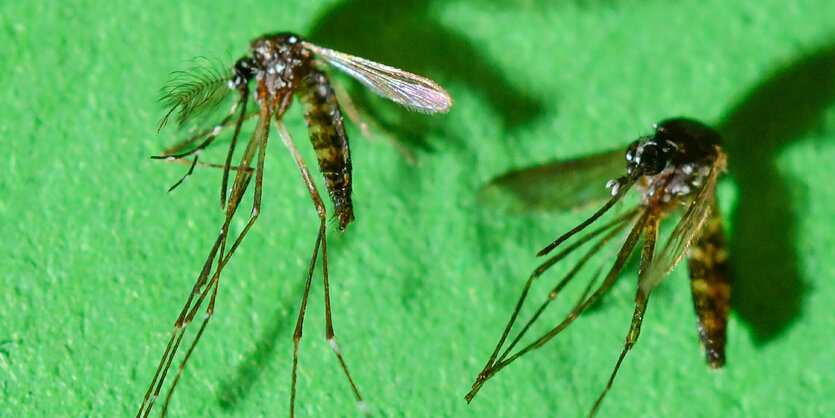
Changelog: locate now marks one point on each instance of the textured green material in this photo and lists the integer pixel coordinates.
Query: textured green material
(98, 258)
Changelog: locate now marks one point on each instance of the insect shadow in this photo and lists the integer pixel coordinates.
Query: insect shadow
(768, 286)
(280, 67)
(232, 391)
(432, 48)
(768, 289)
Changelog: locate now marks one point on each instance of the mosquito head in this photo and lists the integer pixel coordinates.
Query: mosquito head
(678, 142)
(243, 71)
(648, 155)
(675, 160)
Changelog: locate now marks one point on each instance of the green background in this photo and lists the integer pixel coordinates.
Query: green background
(97, 258)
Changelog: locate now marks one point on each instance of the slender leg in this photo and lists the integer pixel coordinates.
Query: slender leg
(209, 165)
(177, 335)
(614, 228)
(210, 136)
(257, 142)
(193, 138)
(297, 333)
(241, 184)
(320, 238)
(213, 284)
(621, 186)
(609, 280)
(329, 334)
(641, 298)
(617, 224)
(227, 165)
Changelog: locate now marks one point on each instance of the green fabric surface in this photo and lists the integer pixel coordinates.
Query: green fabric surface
(98, 258)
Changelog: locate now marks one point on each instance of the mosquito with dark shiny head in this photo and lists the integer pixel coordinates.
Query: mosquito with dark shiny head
(673, 170)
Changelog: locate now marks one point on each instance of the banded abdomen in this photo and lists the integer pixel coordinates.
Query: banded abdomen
(327, 134)
(707, 260)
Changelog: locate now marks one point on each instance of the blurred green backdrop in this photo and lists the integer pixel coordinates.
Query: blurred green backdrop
(98, 258)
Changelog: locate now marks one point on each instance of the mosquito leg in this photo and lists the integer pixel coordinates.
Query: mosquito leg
(187, 175)
(297, 333)
(213, 285)
(622, 185)
(641, 298)
(623, 255)
(538, 272)
(225, 182)
(177, 334)
(616, 227)
(257, 142)
(209, 165)
(329, 334)
(209, 137)
(193, 138)
(320, 238)
(611, 277)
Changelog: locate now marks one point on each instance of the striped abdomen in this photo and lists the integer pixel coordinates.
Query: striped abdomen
(327, 134)
(707, 260)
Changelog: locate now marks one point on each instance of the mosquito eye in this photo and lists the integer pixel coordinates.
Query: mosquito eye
(631, 151)
(632, 158)
(244, 71)
(653, 158)
(649, 155)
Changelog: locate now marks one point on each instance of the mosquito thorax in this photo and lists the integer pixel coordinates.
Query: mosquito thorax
(280, 60)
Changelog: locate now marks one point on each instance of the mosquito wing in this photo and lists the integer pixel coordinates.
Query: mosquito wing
(558, 186)
(686, 230)
(411, 90)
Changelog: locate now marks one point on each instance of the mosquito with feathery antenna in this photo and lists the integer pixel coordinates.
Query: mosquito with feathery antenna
(279, 67)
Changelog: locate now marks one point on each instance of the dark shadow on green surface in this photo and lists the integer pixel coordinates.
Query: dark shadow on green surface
(8, 345)
(767, 287)
(404, 34)
(233, 390)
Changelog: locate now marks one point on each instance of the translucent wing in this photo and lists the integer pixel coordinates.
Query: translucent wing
(195, 90)
(411, 90)
(557, 186)
(686, 230)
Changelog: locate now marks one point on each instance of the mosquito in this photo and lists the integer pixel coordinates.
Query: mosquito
(278, 67)
(674, 169)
